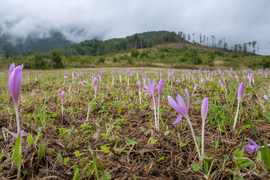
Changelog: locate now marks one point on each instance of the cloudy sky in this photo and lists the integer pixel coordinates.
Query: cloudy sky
(238, 21)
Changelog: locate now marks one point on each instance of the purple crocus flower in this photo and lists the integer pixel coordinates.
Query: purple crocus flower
(14, 82)
(62, 95)
(251, 148)
(182, 109)
(240, 94)
(195, 87)
(204, 110)
(160, 86)
(81, 83)
(142, 69)
(265, 97)
(139, 84)
(151, 88)
(15, 135)
(95, 80)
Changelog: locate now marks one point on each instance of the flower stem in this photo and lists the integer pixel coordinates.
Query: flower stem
(203, 136)
(194, 138)
(18, 131)
(236, 115)
(140, 96)
(153, 97)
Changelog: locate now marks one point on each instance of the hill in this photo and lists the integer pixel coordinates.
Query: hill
(17, 46)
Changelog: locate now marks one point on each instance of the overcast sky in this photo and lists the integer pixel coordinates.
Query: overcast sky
(238, 21)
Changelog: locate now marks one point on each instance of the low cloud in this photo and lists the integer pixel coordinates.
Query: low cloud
(238, 21)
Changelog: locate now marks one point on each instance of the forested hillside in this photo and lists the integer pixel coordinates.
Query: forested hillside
(15, 46)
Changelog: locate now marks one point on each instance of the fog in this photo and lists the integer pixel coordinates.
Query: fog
(238, 21)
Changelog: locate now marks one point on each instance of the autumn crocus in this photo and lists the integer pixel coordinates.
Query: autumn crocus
(120, 77)
(15, 135)
(265, 97)
(182, 109)
(65, 77)
(14, 83)
(100, 75)
(151, 88)
(240, 94)
(251, 148)
(95, 80)
(62, 95)
(204, 110)
(140, 96)
(160, 86)
(195, 87)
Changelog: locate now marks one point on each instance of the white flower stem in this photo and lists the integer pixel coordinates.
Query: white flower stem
(140, 96)
(95, 93)
(236, 115)
(203, 122)
(62, 111)
(87, 114)
(194, 138)
(18, 131)
(158, 112)
(128, 81)
(153, 97)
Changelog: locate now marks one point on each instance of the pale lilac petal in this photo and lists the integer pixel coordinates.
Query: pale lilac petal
(204, 108)
(179, 118)
(146, 87)
(181, 104)
(174, 104)
(250, 140)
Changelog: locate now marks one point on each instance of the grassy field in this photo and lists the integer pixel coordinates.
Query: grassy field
(120, 139)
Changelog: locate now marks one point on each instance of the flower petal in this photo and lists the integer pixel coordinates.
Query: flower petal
(174, 104)
(179, 118)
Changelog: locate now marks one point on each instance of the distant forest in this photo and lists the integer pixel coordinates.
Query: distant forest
(97, 47)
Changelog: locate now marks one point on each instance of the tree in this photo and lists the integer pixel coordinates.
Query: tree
(188, 38)
(38, 61)
(56, 56)
(193, 37)
(249, 44)
(213, 40)
(200, 38)
(253, 45)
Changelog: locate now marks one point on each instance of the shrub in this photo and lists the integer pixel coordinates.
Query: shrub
(101, 59)
(38, 62)
(162, 55)
(195, 60)
(266, 63)
(134, 52)
(56, 58)
(144, 54)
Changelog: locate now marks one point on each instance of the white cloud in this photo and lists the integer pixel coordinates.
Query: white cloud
(238, 21)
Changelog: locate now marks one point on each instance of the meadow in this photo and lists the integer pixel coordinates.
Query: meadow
(101, 124)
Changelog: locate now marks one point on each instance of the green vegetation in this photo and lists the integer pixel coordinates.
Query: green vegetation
(156, 49)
